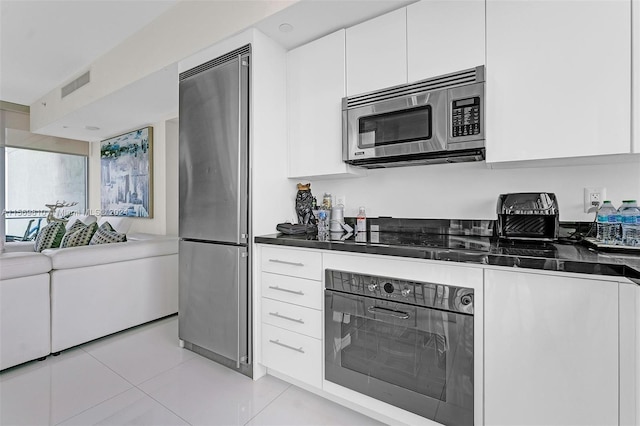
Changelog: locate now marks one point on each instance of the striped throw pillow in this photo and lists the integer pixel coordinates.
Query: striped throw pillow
(106, 235)
(49, 237)
(80, 237)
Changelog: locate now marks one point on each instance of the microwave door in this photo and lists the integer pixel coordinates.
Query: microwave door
(401, 126)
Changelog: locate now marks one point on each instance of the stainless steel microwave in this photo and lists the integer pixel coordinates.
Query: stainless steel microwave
(436, 120)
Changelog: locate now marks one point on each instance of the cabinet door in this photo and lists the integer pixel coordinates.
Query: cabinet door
(444, 36)
(551, 350)
(377, 53)
(558, 79)
(315, 88)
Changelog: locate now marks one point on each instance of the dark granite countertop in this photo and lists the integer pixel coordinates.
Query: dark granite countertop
(478, 248)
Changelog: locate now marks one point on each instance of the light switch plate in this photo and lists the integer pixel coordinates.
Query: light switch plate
(593, 198)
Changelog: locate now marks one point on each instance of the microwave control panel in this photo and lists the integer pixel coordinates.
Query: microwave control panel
(465, 117)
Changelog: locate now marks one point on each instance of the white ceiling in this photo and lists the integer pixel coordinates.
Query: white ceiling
(47, 43)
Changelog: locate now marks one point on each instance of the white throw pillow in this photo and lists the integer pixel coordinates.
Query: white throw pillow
(86, 219)
(120, 224)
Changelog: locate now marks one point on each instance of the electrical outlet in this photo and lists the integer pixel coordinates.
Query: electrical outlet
(341, 199)
(593, 198)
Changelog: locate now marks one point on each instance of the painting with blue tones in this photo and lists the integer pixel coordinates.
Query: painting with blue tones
(126, 174)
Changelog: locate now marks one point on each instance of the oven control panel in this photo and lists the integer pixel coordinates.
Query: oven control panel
(439, 296)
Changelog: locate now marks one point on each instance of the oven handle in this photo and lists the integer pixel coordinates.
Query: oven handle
(390, 312)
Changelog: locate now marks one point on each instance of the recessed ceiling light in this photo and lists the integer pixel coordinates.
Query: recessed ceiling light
(92, 127)
(285, 28)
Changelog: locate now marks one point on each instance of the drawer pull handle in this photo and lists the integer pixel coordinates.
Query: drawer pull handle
(276, 314)
(277, 342)
(275, 287)
(286, 263)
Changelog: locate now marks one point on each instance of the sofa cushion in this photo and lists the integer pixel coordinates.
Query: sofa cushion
(80, 237)
(50, 236)
(120, 224)
(85, 219)
(100, 254)
(107, 235)
(23, 264)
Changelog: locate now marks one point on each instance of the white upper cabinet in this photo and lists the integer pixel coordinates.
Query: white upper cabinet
(558, 79)
(377, 53)
(444, 36)
(315, 88)
(550, 350)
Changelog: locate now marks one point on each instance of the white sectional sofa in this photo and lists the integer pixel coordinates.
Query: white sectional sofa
(25, 330)
(90, 292)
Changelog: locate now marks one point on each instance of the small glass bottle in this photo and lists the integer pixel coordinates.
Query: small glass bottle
(326, 201)
(361, 221)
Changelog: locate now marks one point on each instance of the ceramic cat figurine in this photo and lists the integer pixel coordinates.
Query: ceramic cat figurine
(304, 201)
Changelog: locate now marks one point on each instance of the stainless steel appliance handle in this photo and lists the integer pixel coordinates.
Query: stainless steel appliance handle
(238, 310)
(277, 342)
(286, 263)
(239, 165)
(275, 287)
(390, 312)
(277, 314)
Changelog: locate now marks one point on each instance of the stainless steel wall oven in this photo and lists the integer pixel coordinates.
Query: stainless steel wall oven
(407, 343)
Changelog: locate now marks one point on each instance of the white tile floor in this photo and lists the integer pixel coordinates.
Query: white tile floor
(142, 377)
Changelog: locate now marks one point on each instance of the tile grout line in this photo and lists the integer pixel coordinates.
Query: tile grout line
(105, 400)
(159, 402)
(133, 386)
(272, 401)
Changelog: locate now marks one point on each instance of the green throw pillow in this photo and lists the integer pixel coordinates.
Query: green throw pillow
(77, 225)
(106, 235)
(50, 236)
(80, 237)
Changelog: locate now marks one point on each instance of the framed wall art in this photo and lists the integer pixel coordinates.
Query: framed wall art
(126, 174)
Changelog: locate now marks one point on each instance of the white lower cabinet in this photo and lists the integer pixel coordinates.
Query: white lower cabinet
(291, 313)
(293, 354)
(302, 320)
(551, 350)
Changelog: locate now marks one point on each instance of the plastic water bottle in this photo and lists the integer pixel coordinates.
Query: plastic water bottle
(608, 223)
(630, 221)
(323, 225)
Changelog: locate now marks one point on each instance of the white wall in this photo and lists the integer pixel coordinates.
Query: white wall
(186, 28)
(165, 181)
(470, 190)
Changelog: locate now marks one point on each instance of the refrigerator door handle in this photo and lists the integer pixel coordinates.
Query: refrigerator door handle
(240, 256)
(239, 190)
(243, 78)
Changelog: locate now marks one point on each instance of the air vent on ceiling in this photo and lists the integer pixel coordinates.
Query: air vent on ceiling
(76, 84)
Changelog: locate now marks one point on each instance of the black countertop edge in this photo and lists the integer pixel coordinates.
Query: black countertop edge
(574, 258)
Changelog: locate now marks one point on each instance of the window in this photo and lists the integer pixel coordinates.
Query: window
(35, 178)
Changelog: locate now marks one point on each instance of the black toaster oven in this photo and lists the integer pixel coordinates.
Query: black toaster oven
(528, 215)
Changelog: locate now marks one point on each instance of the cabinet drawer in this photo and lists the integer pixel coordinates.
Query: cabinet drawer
(295, 263)
(292, 290)
(292, 354)
(292, 317)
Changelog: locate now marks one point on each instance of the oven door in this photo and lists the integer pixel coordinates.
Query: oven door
(418, 359)
(399, 126)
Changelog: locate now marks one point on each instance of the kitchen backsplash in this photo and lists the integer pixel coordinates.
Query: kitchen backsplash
(470, 190)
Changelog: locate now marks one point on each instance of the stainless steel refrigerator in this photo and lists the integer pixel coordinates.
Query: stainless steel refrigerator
(214, 218)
